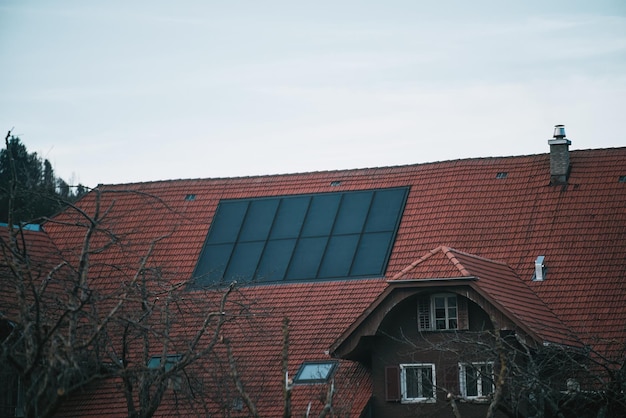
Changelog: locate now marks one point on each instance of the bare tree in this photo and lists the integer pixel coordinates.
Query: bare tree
(101, 308)
(533, 380)
(153, 325)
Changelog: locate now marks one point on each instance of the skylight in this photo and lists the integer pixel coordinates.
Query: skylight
(170, 361)
(315, 372)
(301, 237)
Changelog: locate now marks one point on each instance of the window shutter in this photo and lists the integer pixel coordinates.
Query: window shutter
(462, 313)
(392, 384)
(423, 313)
(451, 379)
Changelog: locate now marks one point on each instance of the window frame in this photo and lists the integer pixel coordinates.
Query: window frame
(403, 383)
(463, 380)
(332, 368)
(431, 312)
(154, 362)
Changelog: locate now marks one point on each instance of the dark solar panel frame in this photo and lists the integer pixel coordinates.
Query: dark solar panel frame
(324, 236)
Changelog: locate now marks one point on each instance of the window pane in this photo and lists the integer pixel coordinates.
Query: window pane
(290, 217)
(412, 382)
(338, 257)
(275, 260)
(227, 222)
(486, 379)
(471, 381)
(315, 371)
(321, 216)
(352, 213)
(385, 210)
(259, 219)
(419, 382)
(427, 382)
(372, 254)
(306, 258)
(440, 313)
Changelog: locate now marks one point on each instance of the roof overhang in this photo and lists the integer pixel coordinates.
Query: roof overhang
(397, 290)
(367, 324)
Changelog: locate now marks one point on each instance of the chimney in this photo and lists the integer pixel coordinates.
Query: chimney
(559, 156)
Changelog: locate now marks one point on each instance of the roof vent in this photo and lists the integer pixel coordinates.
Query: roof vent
(540, 269)
(559, 156)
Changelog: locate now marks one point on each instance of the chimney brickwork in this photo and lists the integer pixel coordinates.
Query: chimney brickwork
(559, 156)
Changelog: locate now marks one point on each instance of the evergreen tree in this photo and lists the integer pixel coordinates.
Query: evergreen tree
(37, 193)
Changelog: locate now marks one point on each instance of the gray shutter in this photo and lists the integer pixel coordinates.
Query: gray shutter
(423, 313)
(462, 314)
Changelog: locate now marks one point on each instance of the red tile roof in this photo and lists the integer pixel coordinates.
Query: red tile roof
(500, 285)
(579, 228)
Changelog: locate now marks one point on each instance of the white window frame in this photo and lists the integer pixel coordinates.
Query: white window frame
(479, 381)
(432, 320)
(403, 383)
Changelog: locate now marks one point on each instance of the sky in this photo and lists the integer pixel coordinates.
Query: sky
(128, 91)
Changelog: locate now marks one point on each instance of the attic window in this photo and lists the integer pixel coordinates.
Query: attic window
(311, 372)
(325, 236)
(441, 311)
(335, 183)
(621, 179)
(502, 175)
(190, 197)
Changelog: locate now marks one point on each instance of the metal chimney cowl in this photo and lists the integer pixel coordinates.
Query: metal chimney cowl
(559, 156)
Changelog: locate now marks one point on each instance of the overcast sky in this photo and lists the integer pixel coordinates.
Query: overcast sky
(123, 91)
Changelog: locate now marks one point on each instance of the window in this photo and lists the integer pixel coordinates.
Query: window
(443, 311)
(173, 382)
(476, 379)
(315, 372)
(301, 237)
(417, 382)
(170, 361)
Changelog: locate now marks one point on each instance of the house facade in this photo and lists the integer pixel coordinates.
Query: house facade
(443, 289)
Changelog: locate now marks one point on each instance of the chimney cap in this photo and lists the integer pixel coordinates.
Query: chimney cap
(558, 138)
(559, 131)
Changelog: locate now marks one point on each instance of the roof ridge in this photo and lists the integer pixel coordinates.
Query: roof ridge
(457, 263)
(345, 170)
(478, 257)
(420, 260)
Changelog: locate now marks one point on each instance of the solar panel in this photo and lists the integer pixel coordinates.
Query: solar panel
(326, 236)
